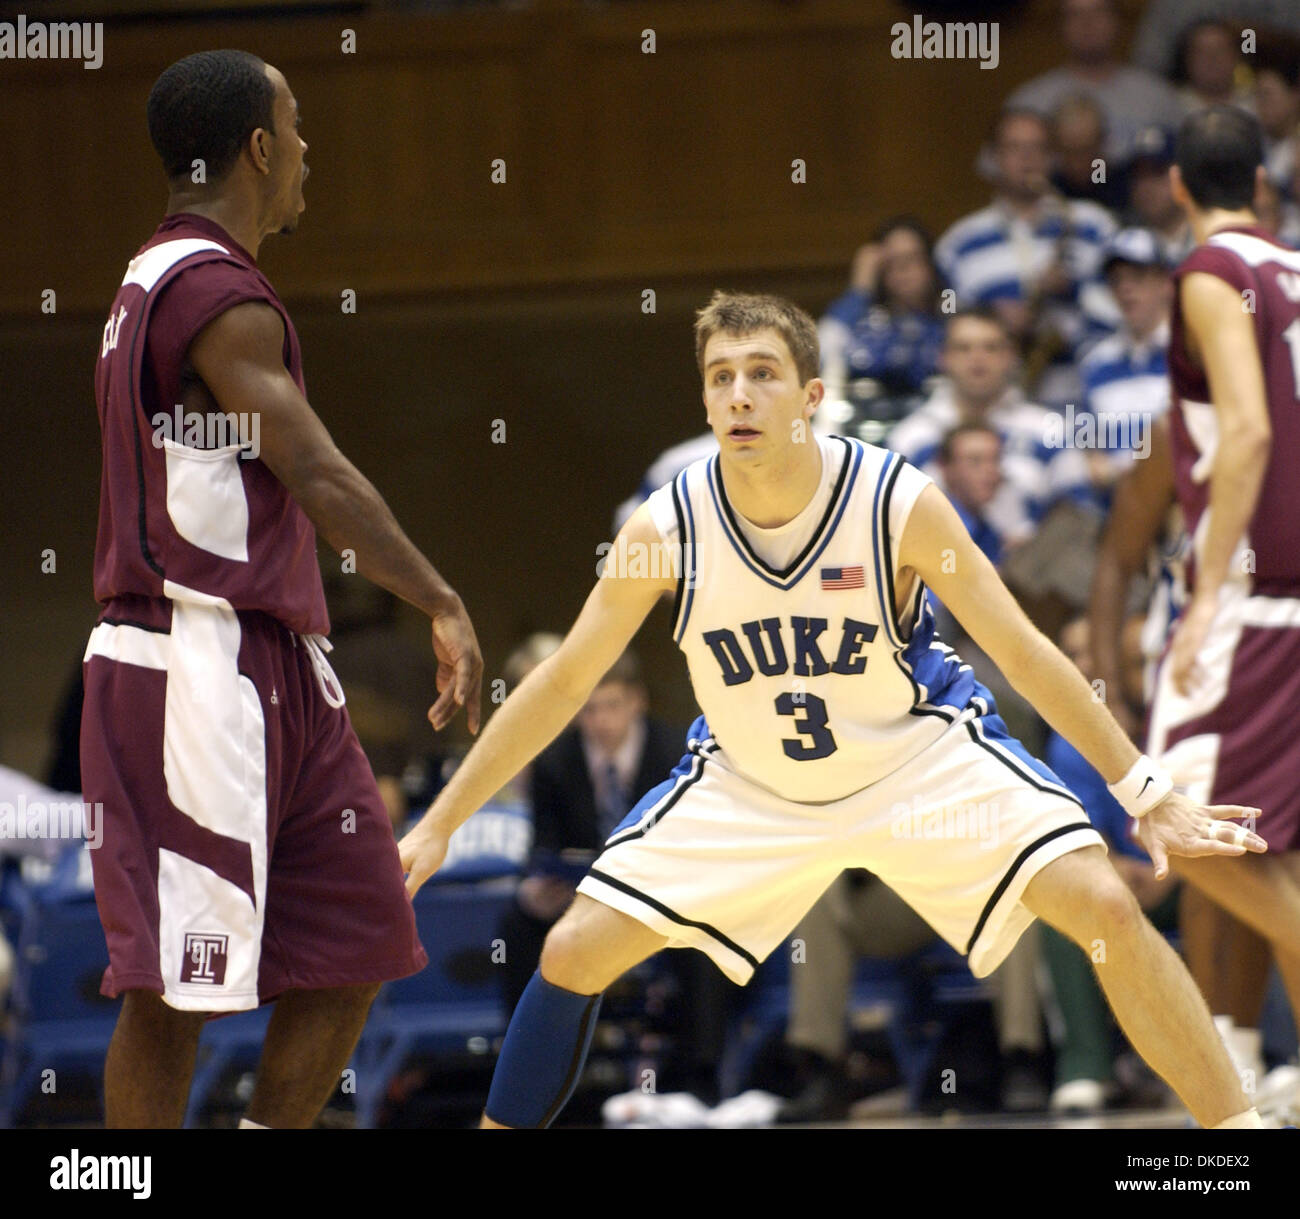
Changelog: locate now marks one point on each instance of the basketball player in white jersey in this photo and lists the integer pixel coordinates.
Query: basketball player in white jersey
(837, 732)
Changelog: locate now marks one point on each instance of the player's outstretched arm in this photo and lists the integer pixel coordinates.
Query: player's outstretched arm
(239, 356)
(1137, 515)
(1223, 332)
(549, 697)
(936, 545)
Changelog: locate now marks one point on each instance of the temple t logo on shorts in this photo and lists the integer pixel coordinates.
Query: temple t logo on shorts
(205, 958)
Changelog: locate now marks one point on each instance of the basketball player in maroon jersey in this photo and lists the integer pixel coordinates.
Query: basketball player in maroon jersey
(1224, 715)
(247, 854)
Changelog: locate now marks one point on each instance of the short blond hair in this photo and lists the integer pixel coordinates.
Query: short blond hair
(744, 313)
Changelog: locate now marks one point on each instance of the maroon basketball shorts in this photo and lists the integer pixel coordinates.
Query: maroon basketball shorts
(246, 850)
(1234, 738)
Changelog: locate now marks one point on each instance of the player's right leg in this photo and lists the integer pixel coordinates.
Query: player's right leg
(1263, 891)
(165, 757)
(550, 1033)
(150, 1062)
(1147, 986)
(1232, 740)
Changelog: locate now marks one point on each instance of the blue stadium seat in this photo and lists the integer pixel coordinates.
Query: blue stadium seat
(58, 1018)
(454, 1004)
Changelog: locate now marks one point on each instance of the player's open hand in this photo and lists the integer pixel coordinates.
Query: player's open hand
(460, 668)
(1190, 633)
(1179, 826)
(422, 852)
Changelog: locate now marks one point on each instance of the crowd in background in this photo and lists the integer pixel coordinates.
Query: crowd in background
(1018, 357)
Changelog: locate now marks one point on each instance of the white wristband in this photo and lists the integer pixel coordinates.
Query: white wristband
(1142, 788)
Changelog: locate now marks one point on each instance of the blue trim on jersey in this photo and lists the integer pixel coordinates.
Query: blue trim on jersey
(878, 552)
(836, 512)
(688, 556)
(661, 798)
(991, 732)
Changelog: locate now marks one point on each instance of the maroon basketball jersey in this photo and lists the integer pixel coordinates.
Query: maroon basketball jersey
(1255, 264)
(186, 511)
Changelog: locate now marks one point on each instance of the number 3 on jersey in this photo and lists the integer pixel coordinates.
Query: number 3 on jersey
(812, 725)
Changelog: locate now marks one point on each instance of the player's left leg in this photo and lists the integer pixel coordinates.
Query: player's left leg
(1148, 987)
(550, 1032)
(309, 1040)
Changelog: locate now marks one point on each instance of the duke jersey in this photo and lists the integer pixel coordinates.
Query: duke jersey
(808, 681)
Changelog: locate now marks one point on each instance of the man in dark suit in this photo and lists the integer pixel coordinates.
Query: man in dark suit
(581, 787)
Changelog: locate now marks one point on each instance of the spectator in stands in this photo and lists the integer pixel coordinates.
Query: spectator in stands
(881, 339)
(1209, 54)
(1163, 21)
(1126, 376)
(970, 473)
(1079, 155)
(979, 362)
(1151, 200)
(1277, 213)
(1033, 256)
(1277, 106)
(1085, 1059)
(1131, 97)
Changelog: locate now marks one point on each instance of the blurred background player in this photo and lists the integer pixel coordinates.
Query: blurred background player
(1222, 719)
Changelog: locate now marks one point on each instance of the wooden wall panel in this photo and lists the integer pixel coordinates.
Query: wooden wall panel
(619, 164)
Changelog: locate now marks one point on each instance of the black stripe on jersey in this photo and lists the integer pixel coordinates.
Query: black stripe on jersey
(916, 708)
(888, 564)
(817, 533)
(686, 781)
(139, 626)
(142, 516)
(672, 914)
(679, 595)
(1011, 872)
(1029, 776)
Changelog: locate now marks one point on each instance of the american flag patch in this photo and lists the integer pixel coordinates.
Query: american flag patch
(843, 577)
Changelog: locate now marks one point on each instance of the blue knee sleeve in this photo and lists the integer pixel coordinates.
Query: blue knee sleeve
(541, 1059)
